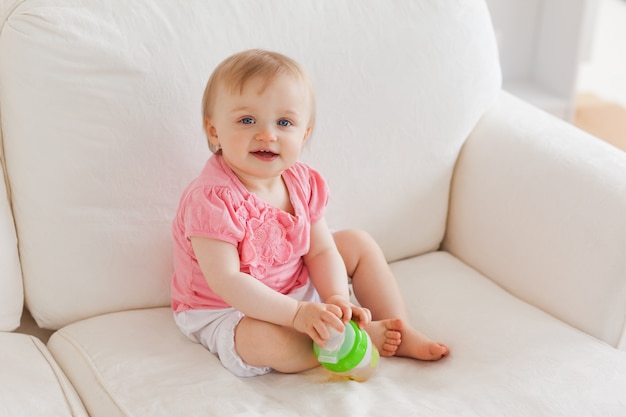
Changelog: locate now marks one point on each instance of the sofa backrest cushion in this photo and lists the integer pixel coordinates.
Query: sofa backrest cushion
(105, 128)
(11, 289)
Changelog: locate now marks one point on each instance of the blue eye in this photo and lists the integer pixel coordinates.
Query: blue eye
(284, 123)
(247, 120)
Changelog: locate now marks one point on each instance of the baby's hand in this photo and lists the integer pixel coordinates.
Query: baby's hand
(313, 319)
(362, 316)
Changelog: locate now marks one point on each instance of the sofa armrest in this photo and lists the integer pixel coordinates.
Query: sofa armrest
(11, 288)
(539, 206)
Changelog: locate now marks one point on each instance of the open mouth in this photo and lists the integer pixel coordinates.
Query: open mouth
(265, 154)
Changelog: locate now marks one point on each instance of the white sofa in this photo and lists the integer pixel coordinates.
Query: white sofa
(506, 227)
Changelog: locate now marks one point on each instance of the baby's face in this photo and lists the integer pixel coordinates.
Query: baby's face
(262, 130)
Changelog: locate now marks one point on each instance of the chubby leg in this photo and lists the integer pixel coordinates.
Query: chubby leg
(284, 349)
(376, 289)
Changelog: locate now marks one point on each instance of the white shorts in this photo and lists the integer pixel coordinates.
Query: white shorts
(215, 330)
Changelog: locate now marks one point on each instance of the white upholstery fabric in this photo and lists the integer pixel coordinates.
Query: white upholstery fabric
(559, 240)
(506, 355)
(31, 383)
(11, 290)
(102, 128)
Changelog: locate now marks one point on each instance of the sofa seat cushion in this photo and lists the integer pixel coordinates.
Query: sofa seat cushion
(508, 358)
(31, 382)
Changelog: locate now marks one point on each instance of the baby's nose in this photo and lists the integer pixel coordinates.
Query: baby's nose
(266, 135)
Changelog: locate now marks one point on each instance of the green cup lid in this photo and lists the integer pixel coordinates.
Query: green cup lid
(349, 355)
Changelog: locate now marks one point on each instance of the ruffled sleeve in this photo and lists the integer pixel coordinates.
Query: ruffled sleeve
(209, 212)
(319, 195)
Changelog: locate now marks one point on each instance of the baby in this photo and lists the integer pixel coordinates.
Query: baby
(258, 275)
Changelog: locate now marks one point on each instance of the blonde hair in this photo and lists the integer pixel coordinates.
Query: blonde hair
(236, 70)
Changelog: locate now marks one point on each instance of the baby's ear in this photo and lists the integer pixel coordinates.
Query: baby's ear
(207, 125)
(307, 133)
(209, 129)
(211, 135)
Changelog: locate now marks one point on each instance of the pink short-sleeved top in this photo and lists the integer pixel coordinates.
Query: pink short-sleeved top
(270, 241)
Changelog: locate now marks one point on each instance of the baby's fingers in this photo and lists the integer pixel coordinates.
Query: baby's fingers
(313, 318)
(362, 316)
(319, 334)
(320, 331)
(335, 310)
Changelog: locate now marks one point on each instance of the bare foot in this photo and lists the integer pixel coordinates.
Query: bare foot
(392, 338)
(386, 335)
(417, 345)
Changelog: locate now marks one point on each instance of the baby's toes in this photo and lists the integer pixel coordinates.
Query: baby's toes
(439, 350)
(393, 337)
(388, 349)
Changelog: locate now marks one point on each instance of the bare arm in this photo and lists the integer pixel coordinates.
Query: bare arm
(220, 265)
(219, 262)
(326, 268)
(329, 276)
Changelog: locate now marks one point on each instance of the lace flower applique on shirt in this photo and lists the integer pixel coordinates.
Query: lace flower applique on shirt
(265, 242)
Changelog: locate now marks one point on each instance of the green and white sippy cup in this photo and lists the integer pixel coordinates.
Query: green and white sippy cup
(351, 353)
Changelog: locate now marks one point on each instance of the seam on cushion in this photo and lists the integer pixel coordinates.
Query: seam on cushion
(56, 370)
(621, 339)
(10, 11)
(83, 355)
